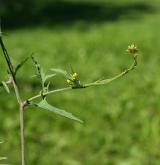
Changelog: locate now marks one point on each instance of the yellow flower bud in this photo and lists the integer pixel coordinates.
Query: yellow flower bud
(69, 81)
(75, 75)
(132, 49)
(73, 78)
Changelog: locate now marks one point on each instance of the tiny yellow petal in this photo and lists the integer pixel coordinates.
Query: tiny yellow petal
(73, 78)
(132, 49)
(75, 75)
(68, 81)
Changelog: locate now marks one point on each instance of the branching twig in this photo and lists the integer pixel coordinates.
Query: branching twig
(97, 83)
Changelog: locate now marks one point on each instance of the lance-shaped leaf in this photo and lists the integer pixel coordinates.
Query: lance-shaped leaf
(44, 77)
(62, 72)
(41, 73)
(5, 86)
(21, 64)
(44, 105)
(49, 76)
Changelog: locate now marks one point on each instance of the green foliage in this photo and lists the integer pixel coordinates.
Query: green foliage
(41, 74)
(64, 73)
(44, 105)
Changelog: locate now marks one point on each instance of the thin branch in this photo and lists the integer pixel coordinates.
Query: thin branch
(48, 93)
(106, 81)
(97, 83)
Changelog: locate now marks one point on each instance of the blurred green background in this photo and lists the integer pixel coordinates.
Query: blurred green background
(121, 120)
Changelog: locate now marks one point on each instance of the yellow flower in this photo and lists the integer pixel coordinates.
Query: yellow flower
(132, 49)
(74, 76)
(69, 81)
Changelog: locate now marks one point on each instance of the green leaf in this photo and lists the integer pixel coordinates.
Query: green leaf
(42, 75)
(5, 87)
(45, 77)
(61, 72)
(44, 105)
(40, 71)
(21, 64)
(49, 76)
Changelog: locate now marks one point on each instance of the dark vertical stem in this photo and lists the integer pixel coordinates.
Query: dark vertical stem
(7, 58)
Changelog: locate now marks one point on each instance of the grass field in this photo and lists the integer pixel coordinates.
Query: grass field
(121, 120)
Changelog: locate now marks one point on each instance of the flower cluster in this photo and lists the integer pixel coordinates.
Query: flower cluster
(73, 78)
(74, 81)
(132, 49)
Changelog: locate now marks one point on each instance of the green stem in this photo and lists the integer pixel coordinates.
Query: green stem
(20, 102)
(97, 83)
(21, 117)
(48, 93)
